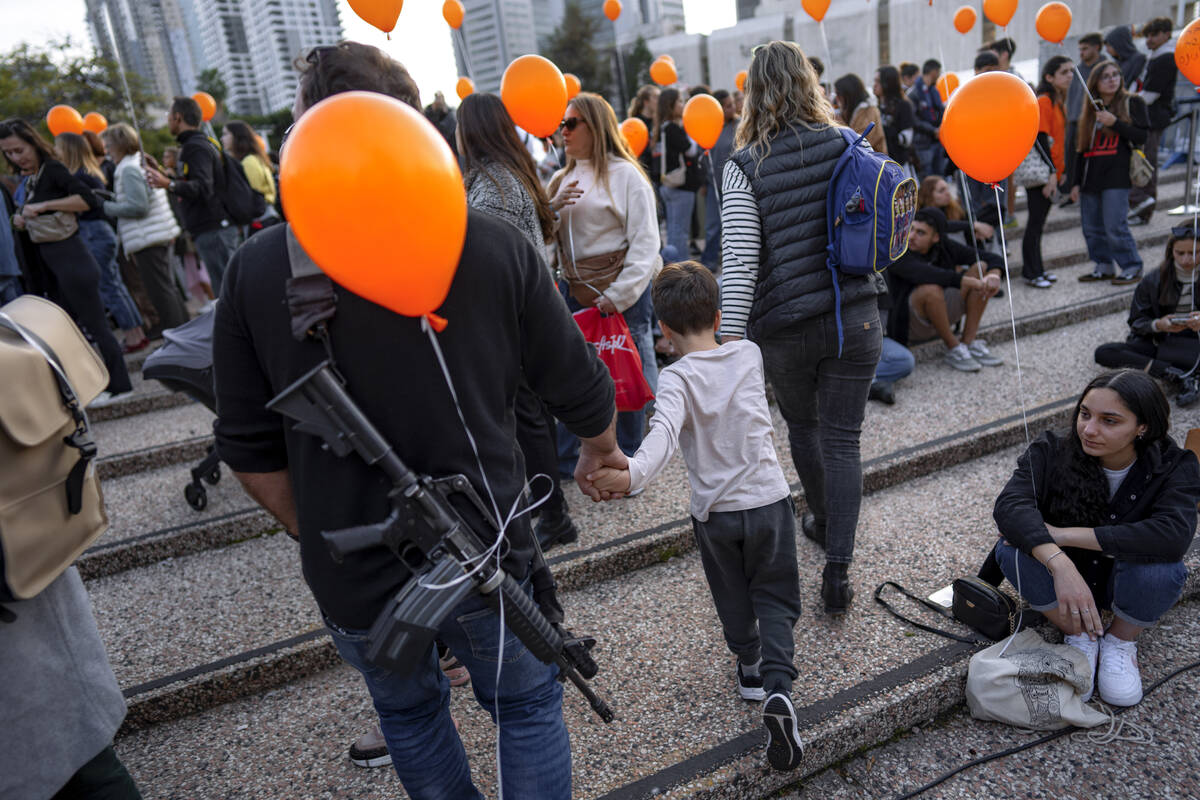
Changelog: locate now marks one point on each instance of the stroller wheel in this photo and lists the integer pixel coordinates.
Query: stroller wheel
(196, 496)
(213, 476)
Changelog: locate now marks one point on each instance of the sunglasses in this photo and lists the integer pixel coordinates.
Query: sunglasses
(1184, 230)
(570, 123)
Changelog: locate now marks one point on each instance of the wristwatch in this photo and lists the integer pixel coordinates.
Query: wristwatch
(171, 186)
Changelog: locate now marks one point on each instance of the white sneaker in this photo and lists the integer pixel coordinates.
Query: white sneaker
(961, 359)
(979, 351)
(1120, 682)
(1090, 648)
(106, 398)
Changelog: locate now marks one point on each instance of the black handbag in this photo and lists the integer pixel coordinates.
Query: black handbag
(977, 604)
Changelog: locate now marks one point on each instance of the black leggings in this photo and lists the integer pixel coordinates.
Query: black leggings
(1031, 242)
(1141, 353)
(76, 287)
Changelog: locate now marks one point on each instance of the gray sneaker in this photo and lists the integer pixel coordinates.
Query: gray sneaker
(979, 351)
(961, 359)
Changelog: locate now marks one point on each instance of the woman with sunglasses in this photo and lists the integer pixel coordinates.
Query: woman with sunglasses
(778, 290)
(1109, 132)
(607, 245)
(1164, 321)
(67, 270)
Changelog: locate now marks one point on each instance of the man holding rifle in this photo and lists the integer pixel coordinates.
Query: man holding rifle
(505, 321)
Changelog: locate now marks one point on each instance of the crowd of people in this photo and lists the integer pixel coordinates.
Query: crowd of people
(729, 294)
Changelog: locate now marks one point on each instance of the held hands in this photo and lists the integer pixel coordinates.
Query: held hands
(566, 197)
(614, 482)
(593, 461)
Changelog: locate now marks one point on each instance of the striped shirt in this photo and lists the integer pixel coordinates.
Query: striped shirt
(741, 245)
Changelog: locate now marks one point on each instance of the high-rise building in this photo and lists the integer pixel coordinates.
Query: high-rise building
(745, 9)
(495, 32)
(649, 19)
(150, 38)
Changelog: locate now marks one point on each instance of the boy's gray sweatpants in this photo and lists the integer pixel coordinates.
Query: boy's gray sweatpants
(749, 559)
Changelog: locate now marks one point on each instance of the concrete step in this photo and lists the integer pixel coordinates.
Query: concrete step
(681, 730)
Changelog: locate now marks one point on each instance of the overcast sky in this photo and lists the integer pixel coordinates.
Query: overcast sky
(421, 39)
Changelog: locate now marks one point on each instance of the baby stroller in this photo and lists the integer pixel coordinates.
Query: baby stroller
(184, 364)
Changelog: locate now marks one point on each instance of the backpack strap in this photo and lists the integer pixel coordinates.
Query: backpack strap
(310, 297)
(81, 439)
(831, 259)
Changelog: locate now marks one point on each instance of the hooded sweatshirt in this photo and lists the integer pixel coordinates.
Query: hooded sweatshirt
(1132, 62)
(1158, 86)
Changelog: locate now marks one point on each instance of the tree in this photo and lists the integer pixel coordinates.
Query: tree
(637, 66)
(572, 48)
(211, 81)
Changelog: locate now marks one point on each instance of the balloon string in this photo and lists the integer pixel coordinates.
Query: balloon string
(828, 53)
(1012, 315)
(462, 46)
(967, 201)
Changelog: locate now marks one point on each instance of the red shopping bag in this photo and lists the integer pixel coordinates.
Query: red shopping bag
(610, 336)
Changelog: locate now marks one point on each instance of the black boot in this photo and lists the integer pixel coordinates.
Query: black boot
(554, 525)
(835, 588)
(1189, 392)
(808, 526)
(882, 392)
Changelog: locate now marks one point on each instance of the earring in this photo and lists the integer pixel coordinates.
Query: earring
(1141, 435)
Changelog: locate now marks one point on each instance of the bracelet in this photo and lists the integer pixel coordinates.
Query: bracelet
(1051, 558)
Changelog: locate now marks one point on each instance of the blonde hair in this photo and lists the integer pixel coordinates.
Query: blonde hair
(122, 138)
(782, 90)
(76, 153)
(607, 141)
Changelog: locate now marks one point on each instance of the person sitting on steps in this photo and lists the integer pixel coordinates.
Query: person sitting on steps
(939, 283)
(1101, 519)
(1163, 321)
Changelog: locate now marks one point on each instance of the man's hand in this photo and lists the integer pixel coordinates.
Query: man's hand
(156, 179)
(971, 284)
(991, 284)
(613, 481)
(595, 454)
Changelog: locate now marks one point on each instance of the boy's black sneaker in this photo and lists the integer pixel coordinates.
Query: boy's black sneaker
(750, 687)
(784, 748)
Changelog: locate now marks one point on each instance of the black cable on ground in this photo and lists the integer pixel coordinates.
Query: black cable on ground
(1048, 738)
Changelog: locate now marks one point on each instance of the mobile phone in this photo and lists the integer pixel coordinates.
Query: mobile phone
(944, 597)
(1180, 319)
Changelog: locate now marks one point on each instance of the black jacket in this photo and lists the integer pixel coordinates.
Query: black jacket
(1146, 307)
(1152, 517)
(507, 323)
(1161, 74)
(200, 181)
(1105, 163)
(790, 187)
(937, 267)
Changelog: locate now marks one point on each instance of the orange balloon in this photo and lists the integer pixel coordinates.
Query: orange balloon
(464, 87)
(663, 72)
(64, 119)
(990, 125)
(668, 57)
(574, 87)
(535, 94)
(739, 80)
(345, 147)
(208, 106)
(612, 9)
(636, 135)
(453, 11)
(703, 120)
(964, 19)
(1187, 52)
(946, 85)
(1000, 12)
(816, 8)
(1053, 21)
(380, 13)
(94, 121)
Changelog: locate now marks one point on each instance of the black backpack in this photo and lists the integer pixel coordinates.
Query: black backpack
(242, 203)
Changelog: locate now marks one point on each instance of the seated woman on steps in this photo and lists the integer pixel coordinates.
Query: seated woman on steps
(1101, 519)
(1163, 321)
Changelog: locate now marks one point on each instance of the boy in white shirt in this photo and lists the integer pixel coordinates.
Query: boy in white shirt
(712, 404)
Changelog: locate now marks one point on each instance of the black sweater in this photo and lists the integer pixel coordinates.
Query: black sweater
(55, 181)
(938, 267)
(200, 180)
(1105, 163)
(1152, 517)
(506, 321)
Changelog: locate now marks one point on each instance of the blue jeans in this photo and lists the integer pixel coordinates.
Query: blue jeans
(215, 249)
(711, 257)
(823, 398)
(10, 287)
(895, 362)
(1138, 592)
(414, 711)
(101, 241)
(679, 204)
(1103, 216)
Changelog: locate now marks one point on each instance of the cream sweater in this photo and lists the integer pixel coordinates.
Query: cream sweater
(604, 219)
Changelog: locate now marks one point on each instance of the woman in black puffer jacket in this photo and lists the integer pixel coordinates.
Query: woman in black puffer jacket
(778, 290)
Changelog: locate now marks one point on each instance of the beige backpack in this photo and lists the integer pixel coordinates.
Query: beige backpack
(51, 508)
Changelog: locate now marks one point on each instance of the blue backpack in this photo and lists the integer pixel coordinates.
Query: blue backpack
(869, 209)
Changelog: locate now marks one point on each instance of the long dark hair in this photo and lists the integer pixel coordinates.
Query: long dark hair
(1119, 105)
(488, 133)
(1168, 291)
(893, 92)
(245, 142)
(1078, 493)
(665, 112)
(1044, 86)
(850, 93)
(25, 132)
